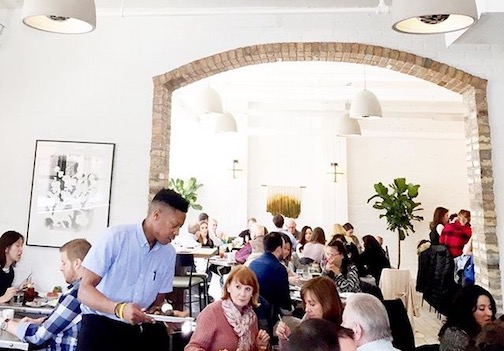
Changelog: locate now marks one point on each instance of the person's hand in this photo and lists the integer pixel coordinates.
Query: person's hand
(330, 266)
(262, 340)
(9, 293)
(283, 331)
(294, 280)
(135, 315)
(37, 321)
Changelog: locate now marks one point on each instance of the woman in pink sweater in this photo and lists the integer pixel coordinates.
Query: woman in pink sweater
(231, 323)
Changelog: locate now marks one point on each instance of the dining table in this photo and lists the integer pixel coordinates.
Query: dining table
(10, 341)
(197, 252)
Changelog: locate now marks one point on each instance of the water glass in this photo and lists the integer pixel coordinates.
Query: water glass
(18, 299)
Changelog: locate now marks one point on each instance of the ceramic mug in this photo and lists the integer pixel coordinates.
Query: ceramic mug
(8, 313)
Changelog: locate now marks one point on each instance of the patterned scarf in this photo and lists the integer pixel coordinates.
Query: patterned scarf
(241, 323)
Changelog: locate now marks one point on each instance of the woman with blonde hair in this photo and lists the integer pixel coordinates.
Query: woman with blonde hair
(231, 323)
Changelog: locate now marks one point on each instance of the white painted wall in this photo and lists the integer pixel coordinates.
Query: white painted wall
(437, 165)
(98, 87)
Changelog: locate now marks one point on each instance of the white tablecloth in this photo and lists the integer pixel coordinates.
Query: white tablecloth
(397, 284)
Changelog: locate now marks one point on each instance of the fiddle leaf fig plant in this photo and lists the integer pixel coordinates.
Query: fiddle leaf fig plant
(397, 199)
(187, 189)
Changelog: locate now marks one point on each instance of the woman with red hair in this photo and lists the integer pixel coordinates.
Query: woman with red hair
(231, 323)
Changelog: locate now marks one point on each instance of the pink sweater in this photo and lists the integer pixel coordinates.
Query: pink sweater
(213, 332)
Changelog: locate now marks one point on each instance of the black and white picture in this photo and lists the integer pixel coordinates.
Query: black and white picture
(70, 191)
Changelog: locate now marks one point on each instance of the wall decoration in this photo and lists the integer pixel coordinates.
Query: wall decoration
(71, 188)
(284, 200)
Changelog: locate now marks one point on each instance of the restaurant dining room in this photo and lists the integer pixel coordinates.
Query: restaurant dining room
(247, 112)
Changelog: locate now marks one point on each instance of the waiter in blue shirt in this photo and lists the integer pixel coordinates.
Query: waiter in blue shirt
(129, 271)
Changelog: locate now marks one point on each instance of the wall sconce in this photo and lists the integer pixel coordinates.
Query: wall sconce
(235, 169)
(334, 171)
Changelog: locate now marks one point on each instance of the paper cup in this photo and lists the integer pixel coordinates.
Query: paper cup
(8, 313)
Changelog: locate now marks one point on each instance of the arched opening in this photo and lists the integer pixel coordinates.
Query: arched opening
(473, 90)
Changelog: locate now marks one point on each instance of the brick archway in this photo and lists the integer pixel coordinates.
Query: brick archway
(473, 90)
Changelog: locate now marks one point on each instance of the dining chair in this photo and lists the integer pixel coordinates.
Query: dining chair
(186, 278)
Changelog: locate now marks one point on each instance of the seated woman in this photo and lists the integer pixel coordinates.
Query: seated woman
(373, 258)
(287, 260)
(204, 237)
(339, 268)
(305, 231)
(320, 300)
(314, 246)
(321, 335)
(472, 308)
(231, 323)
(11, 249)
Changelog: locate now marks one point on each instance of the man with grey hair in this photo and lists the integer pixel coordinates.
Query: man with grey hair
(368, 318)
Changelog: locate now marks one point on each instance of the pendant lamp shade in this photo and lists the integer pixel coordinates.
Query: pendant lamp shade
(225, 122)
(60, 16)
(365, 104)
(433, 16)
(208, 101)
(346, 126)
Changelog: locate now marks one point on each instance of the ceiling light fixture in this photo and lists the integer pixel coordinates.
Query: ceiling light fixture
(225, 122)
(208, 101)
(365, 104)
(433, 16)
(60, 16)
(346, 126)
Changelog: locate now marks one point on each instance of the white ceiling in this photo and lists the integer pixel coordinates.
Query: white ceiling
(286, 95)
(316, 91)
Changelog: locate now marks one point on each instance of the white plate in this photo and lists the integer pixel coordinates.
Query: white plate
(172, 319)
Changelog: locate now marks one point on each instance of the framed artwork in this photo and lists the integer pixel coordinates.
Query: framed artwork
(70, 195)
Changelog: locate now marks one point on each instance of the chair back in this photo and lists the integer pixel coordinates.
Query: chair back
(400, 326)
(184, 265)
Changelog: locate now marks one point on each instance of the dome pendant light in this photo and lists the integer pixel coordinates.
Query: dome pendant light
(208, 101)
(365, 104)
(433, 16)
(346, 126)
(60, 16)
(224, 123)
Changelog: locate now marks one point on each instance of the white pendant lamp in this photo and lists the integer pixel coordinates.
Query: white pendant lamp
(60, 16)
(225, 122)
(433, 16)
(208, 101)
(346, 126)
(365, 104)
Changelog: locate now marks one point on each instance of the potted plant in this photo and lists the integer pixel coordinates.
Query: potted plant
(187, 189)
(399, 206)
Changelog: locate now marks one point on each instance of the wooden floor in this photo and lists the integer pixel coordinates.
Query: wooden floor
(427, 326)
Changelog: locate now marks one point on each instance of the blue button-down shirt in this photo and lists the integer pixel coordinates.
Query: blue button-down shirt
(130, 270)
(60, 328)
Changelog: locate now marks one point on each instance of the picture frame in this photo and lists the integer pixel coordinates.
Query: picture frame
(70, 193)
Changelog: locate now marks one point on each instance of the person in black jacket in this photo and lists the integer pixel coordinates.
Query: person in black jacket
(373, 258)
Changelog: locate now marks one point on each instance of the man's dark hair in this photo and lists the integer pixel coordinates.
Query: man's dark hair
(278, 221)
(320, 334)
(272, 241)
(202, 217)
(172, 199)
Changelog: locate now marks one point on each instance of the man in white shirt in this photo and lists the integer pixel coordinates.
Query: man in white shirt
(189, 239)
(368, 318)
